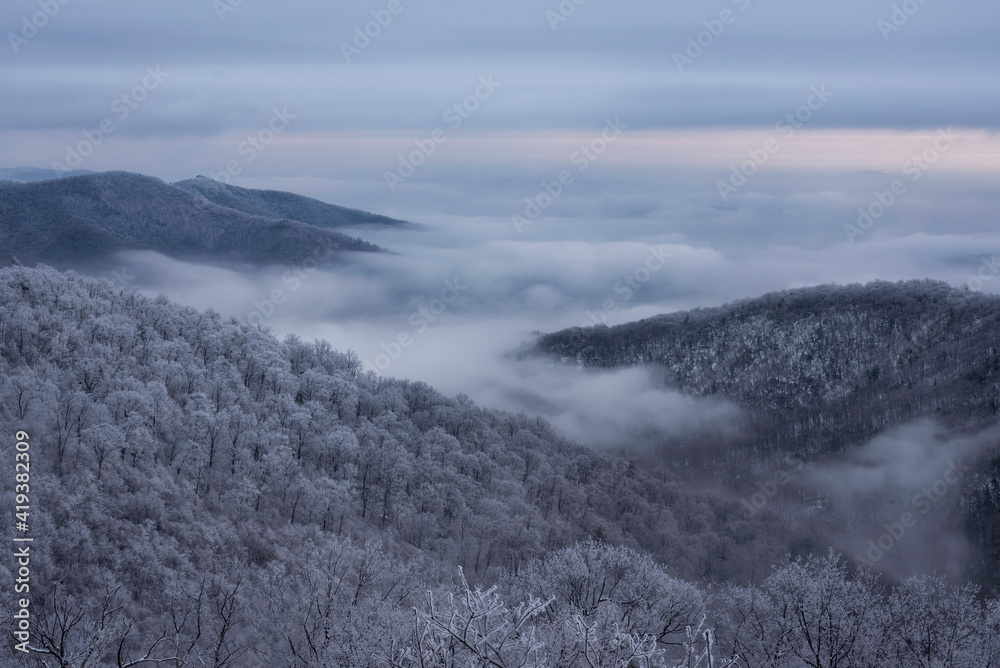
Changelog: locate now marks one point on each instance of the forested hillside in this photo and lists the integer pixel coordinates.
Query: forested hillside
(834, 362)
(278, 204)
(82, 220)
(173, 448)
(821, 371)
(203, 494)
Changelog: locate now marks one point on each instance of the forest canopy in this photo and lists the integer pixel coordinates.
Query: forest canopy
(205, 494)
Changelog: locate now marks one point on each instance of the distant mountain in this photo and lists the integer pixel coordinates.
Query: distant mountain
(32, 174)
(74, 221)
(278, 204)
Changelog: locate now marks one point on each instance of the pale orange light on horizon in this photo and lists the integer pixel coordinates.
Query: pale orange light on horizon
(369, 154)
(886, 150)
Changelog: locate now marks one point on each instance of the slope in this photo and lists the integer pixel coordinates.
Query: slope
(82, 219)
(831, 362)
(278, 204)
(215, 441)
(201, 493)
(820, 372)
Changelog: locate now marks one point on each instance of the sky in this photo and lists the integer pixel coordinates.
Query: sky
(553, 152)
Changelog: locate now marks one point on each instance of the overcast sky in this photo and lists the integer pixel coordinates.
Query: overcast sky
(230, 65)
(230, 62)
(828, 110)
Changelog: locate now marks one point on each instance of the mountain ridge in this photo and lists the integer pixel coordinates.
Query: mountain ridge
(708, 351)
(83, 220)
(280, 204)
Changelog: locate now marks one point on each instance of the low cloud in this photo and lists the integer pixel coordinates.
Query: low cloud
(894, 504)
